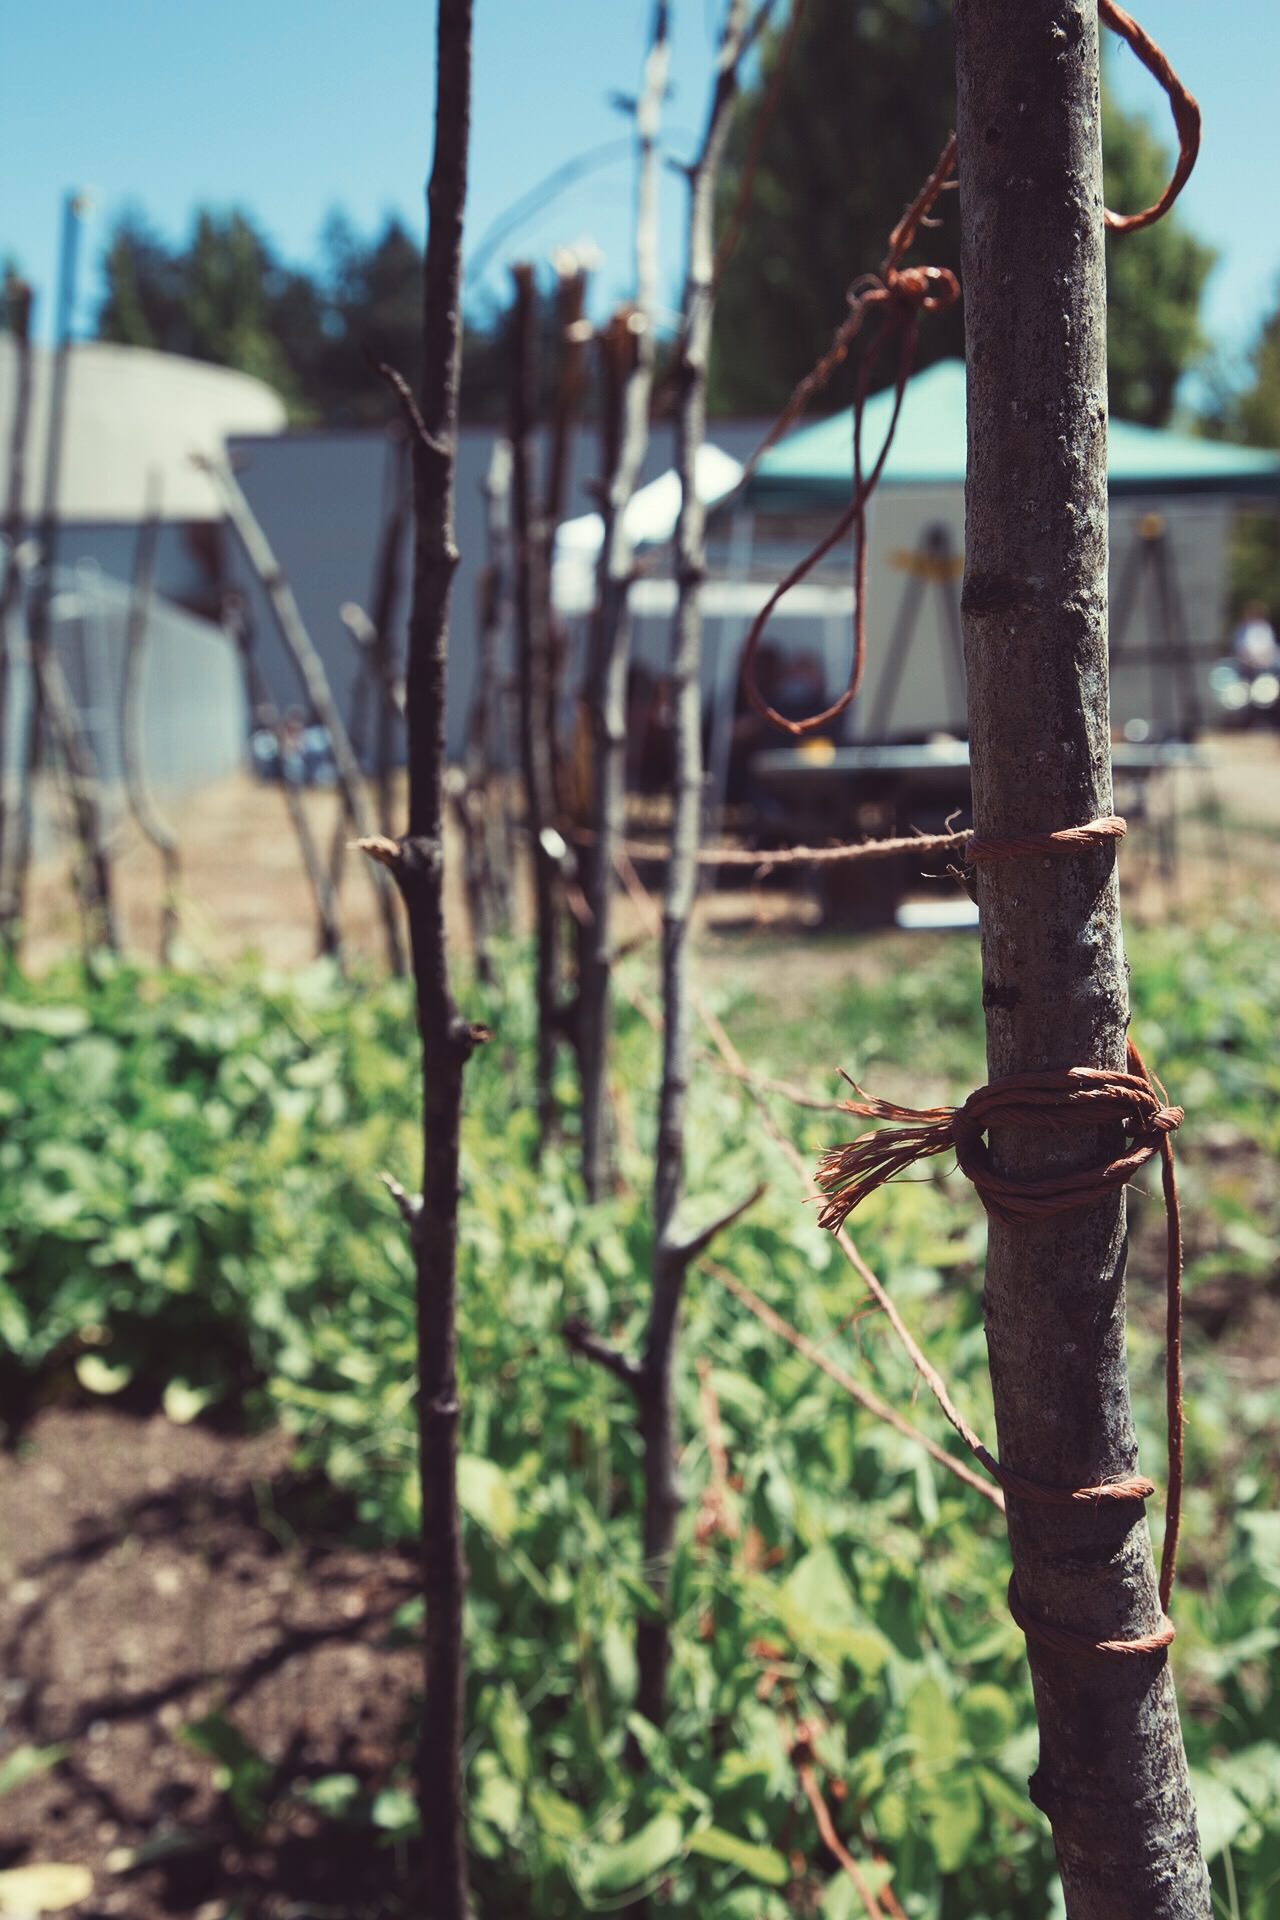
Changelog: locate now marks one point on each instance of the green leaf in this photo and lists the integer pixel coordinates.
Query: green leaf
(1254, 1774)
(953, 1810)
(485, 1496)
(1221, 1814)
(817, 1609)
(632, 1863)
(394, 1809)
(1263, 1531)
(1004, 1798)
(15, 1327)
(736, 1768)
(184, 1403)
(26, 1891)
(244, 1774)
(762, 1863)
(97, 1375)
(511, 1734)
(988, 1715)
(841, 1899)
(334, 1794)
(933, 1725)
(497, 1799)
(55, 1023)
(644, 1598)
(24, 1763)
(557, 1818)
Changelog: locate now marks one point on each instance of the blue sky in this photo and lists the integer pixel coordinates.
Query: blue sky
(294, 107)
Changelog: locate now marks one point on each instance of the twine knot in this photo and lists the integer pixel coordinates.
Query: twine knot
(1058, 1101)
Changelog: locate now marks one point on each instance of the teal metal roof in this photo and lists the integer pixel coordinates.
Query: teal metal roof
(814, 467)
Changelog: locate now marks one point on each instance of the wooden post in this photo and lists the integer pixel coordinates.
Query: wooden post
(1112, 1776)
(671, 1254)
(610, 632)
(533, 672)
(238, 627)
(653, 1378)
(477, 797)
(310, 667)
(18, 300)
(417, 863)
(141, 800)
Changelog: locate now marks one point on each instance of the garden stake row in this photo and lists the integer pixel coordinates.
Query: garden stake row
(652, 1377)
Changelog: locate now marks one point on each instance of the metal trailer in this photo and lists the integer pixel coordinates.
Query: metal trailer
(897, 761)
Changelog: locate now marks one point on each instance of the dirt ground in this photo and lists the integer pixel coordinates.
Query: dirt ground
(1203, 838)
(151, 1575)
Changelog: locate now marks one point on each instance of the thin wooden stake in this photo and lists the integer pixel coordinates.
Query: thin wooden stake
(1112, 1776)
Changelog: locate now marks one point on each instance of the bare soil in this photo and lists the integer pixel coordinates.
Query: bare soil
(153, 1574)
(1203, 839)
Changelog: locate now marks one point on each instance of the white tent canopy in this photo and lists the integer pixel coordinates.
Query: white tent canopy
(650, 520)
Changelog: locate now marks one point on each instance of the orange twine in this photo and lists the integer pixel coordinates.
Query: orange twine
(1075, 1096)
(1186, 118)
(905, 293)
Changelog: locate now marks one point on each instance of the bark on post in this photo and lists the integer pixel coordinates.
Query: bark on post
(141, 801)
(311, 671)
(18, 300)
(363, 637)
(485, 732)
(670, 1255)
(610, 644)
(572, 332)
(477, 802)
(1112, 1776)
(61, 720)
(533, 667)
(386, 600)
(417, 862)
(52, 709)
(239, 631)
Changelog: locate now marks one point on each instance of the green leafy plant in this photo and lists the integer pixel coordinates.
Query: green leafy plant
(190, 1198)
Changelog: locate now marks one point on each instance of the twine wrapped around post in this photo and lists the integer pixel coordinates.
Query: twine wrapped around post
(1056, 1101)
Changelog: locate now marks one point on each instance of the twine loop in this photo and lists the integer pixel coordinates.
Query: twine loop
(903, 293)
(1058, 1100)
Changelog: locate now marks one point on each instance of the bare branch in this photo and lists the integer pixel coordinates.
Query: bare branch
(308, 663)
(578, 1336)
(18, 299)
(532, 609)
(139, 793)
(687, 1251)
(447, 1040)
(865, 1398)
(410, 1204)
(629, 349)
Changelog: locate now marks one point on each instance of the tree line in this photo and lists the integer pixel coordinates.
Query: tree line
(867, 90)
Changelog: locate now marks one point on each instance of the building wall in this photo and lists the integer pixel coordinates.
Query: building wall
(321, 499)
(193, 713)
